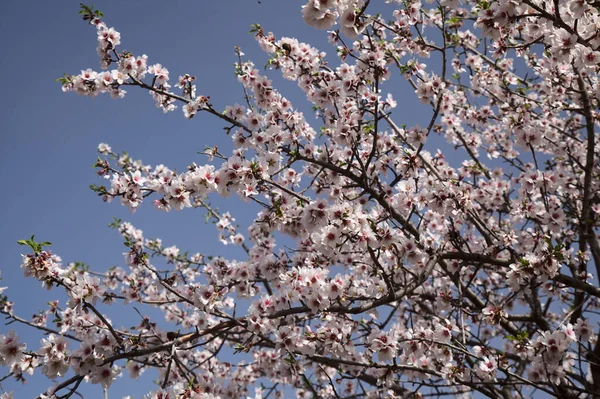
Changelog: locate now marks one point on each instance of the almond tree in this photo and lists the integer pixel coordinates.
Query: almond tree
(407, 276)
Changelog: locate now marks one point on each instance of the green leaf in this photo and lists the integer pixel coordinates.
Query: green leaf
(65, 79)
(254, 29)
(98, 189)
(35, 247)
(115, 223)
(89, 13)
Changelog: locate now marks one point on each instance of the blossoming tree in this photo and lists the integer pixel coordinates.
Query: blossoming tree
(375, 267)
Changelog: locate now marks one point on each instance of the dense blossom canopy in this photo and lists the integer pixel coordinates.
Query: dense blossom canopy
(376, 267)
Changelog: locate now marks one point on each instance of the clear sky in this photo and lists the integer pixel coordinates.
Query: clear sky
(49, 139)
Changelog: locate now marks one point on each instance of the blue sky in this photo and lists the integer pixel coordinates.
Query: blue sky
(49, 139)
